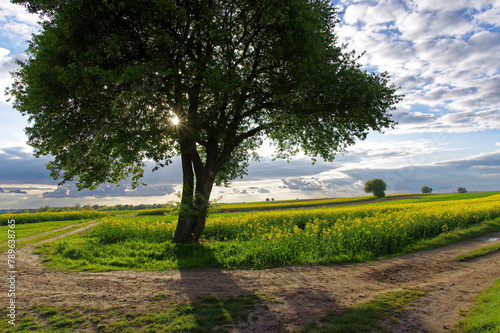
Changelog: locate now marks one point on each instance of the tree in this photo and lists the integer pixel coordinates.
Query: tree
(109, 84)
(377, 187)
(461, 190)
(426, 189)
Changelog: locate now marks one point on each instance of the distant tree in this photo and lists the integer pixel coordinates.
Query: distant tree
(43, 209)
(426, 189)
(461, 190)
(272, 199)
(267, 199)
(377, 187)
(108, 85)
(88, 207)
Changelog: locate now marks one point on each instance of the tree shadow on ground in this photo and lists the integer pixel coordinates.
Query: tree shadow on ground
(245, 295)
(218, 298)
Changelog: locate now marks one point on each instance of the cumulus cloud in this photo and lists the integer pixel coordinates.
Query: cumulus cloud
(263, 190)
(16, 22)
(304, 184)
(443, 54)
(7, 65)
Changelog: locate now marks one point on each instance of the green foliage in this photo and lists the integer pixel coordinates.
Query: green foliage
(461, 190)
(426, 189)
(377, 187)
(158, 211)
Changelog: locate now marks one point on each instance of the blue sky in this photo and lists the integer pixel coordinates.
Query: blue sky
(445, 56)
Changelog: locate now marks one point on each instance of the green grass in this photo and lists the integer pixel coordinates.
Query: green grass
(484, 316)
(273, 239)
(30, 229)
(26, 230)
(368, 316)
(479, 252)
(455, 237)
(160, 314)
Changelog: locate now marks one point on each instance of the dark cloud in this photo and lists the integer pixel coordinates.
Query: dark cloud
(263, 190)
(481, 173)
(70, 191)
(18, 191)
(19, 167)
(14, 190)
(404, 117)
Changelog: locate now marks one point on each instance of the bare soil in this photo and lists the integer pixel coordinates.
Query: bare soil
(300, 294)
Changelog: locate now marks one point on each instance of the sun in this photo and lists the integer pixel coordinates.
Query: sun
(175, 120)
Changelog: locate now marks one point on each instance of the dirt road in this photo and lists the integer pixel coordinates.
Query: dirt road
(301, 293)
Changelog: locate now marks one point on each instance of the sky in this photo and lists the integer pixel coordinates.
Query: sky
(444, 56)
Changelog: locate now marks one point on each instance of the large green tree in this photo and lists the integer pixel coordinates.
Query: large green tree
(111, 83)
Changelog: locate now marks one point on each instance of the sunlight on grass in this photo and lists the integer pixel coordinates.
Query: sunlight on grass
(160, 314)
(484, 316)
(367, 317)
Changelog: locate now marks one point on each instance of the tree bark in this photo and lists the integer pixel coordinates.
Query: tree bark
(194, 202)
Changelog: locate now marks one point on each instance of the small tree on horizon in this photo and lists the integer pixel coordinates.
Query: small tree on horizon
(426, 189)
(461, 190)
(377, 187)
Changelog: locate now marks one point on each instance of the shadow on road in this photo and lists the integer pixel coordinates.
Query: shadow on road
(270, 300)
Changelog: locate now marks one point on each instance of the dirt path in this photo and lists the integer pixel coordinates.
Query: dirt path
(301, 293)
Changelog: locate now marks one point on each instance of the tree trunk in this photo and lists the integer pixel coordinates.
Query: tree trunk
(194, 203)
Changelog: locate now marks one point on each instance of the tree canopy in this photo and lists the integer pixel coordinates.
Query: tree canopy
(426, 189)
(104, 81)
(377, 187)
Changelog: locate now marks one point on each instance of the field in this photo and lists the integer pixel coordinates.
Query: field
(271, 239)
(292, 249)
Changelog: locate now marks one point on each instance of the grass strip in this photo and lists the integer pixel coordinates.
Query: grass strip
(4, 246)
(479, 252)
(159, 314)
(31, 229)
(454, 237)
(367, 317)
(484, 316)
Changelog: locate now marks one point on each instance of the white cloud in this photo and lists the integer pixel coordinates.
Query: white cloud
(13, 12)
(443, 54)
(7, 64)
